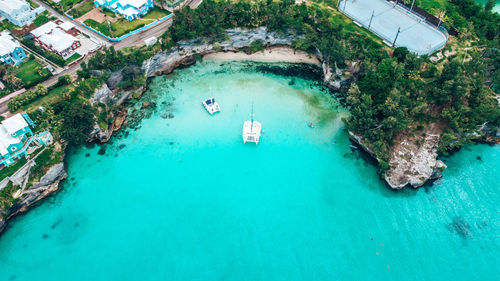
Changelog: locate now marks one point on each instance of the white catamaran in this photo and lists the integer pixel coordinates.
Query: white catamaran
(211, 106)
(251, 130)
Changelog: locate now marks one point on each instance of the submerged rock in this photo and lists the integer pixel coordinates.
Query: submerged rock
(102, 150)
(460, 227)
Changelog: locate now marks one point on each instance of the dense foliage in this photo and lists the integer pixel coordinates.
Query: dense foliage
(212, 18)
(398, 93)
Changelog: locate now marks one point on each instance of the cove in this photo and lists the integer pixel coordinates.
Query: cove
(183, 199)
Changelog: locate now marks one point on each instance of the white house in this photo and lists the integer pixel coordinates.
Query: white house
(57, 38)
(10, 49)
(129, 9)
(19, 12)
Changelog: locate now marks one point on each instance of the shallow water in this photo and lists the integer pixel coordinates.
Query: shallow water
(184, 199)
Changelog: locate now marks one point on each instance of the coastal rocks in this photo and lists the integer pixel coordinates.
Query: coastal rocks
(412, 161)
(166, 62)
(115, 79)
(147, 104)
(103, 95)
(48, 184)
(103, 135)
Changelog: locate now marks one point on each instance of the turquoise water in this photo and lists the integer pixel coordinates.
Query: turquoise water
(184, 199)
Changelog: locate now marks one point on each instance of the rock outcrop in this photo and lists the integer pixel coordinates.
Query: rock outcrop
(48, 184)
(105, 95)
(166, 62)
(413, 158)
(414, 163)
(115, 79)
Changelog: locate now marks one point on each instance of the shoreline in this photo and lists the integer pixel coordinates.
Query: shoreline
(269, 54)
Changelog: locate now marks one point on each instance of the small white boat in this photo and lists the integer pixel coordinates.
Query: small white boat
(251, 130)
(211, 106)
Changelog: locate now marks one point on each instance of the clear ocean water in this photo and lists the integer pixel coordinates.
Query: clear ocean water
(184, 199)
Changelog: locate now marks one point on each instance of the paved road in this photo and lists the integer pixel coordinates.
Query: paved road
(134, 40)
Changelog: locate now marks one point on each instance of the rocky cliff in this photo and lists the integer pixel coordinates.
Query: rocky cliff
(105, 96)
(47, 185)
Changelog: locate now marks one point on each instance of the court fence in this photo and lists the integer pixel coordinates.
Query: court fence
(421, 18)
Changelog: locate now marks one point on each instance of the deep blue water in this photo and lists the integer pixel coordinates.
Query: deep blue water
(184, 199)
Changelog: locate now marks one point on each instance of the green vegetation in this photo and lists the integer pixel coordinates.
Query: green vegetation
(117, 28)
(82, 9)
(32, 72)
(41, 19)
(63, 5)
(156, 13)
(9, 170)
(74, 57)
(392, 94)
(42, 52)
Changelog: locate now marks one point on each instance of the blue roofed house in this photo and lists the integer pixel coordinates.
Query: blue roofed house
(10, 49)
(17, 139)
(129, 9)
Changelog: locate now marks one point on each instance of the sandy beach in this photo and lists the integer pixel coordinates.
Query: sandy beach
(272, 54)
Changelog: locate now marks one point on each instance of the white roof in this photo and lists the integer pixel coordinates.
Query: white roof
(8, 6)
(7, 44)
(130, 11)
(133, 3)
(44, 29)
(66, 25)
(14, 123)
(50, 35)
(6, 140)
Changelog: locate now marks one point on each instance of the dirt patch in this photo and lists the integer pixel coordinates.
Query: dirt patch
(95, 14)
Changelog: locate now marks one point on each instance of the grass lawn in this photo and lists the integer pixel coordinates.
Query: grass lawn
(7, 171)
(431, 5)
(53, 96)
(74, 57)
(65, 4)
(350, 27)
(82, 9)
(28, 72)
(156, 13)
(119, 27)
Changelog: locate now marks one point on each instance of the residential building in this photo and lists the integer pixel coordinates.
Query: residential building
(19, 12)
(17, 139)
(129, 9)
(57, 38)
(10, 49)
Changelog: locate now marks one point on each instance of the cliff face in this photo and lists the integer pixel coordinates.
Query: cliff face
(39, 190)
(105, 96)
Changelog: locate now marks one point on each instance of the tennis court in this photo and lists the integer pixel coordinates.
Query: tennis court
(414, 32)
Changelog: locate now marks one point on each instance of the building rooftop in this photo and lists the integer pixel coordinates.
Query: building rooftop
(66, 25)
(14, 123)
(7, 44)
(51, 35)
(8, 127)
(8, 6)
(44, 29)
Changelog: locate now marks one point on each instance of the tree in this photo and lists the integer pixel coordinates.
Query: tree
(78, 121)
(489, 5)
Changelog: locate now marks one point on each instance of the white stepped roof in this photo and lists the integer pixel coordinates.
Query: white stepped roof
(8, 6)
(44, 29)
(7, 44)
(14, 123)
(51, 35)
(133, 3)
(7, 128)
